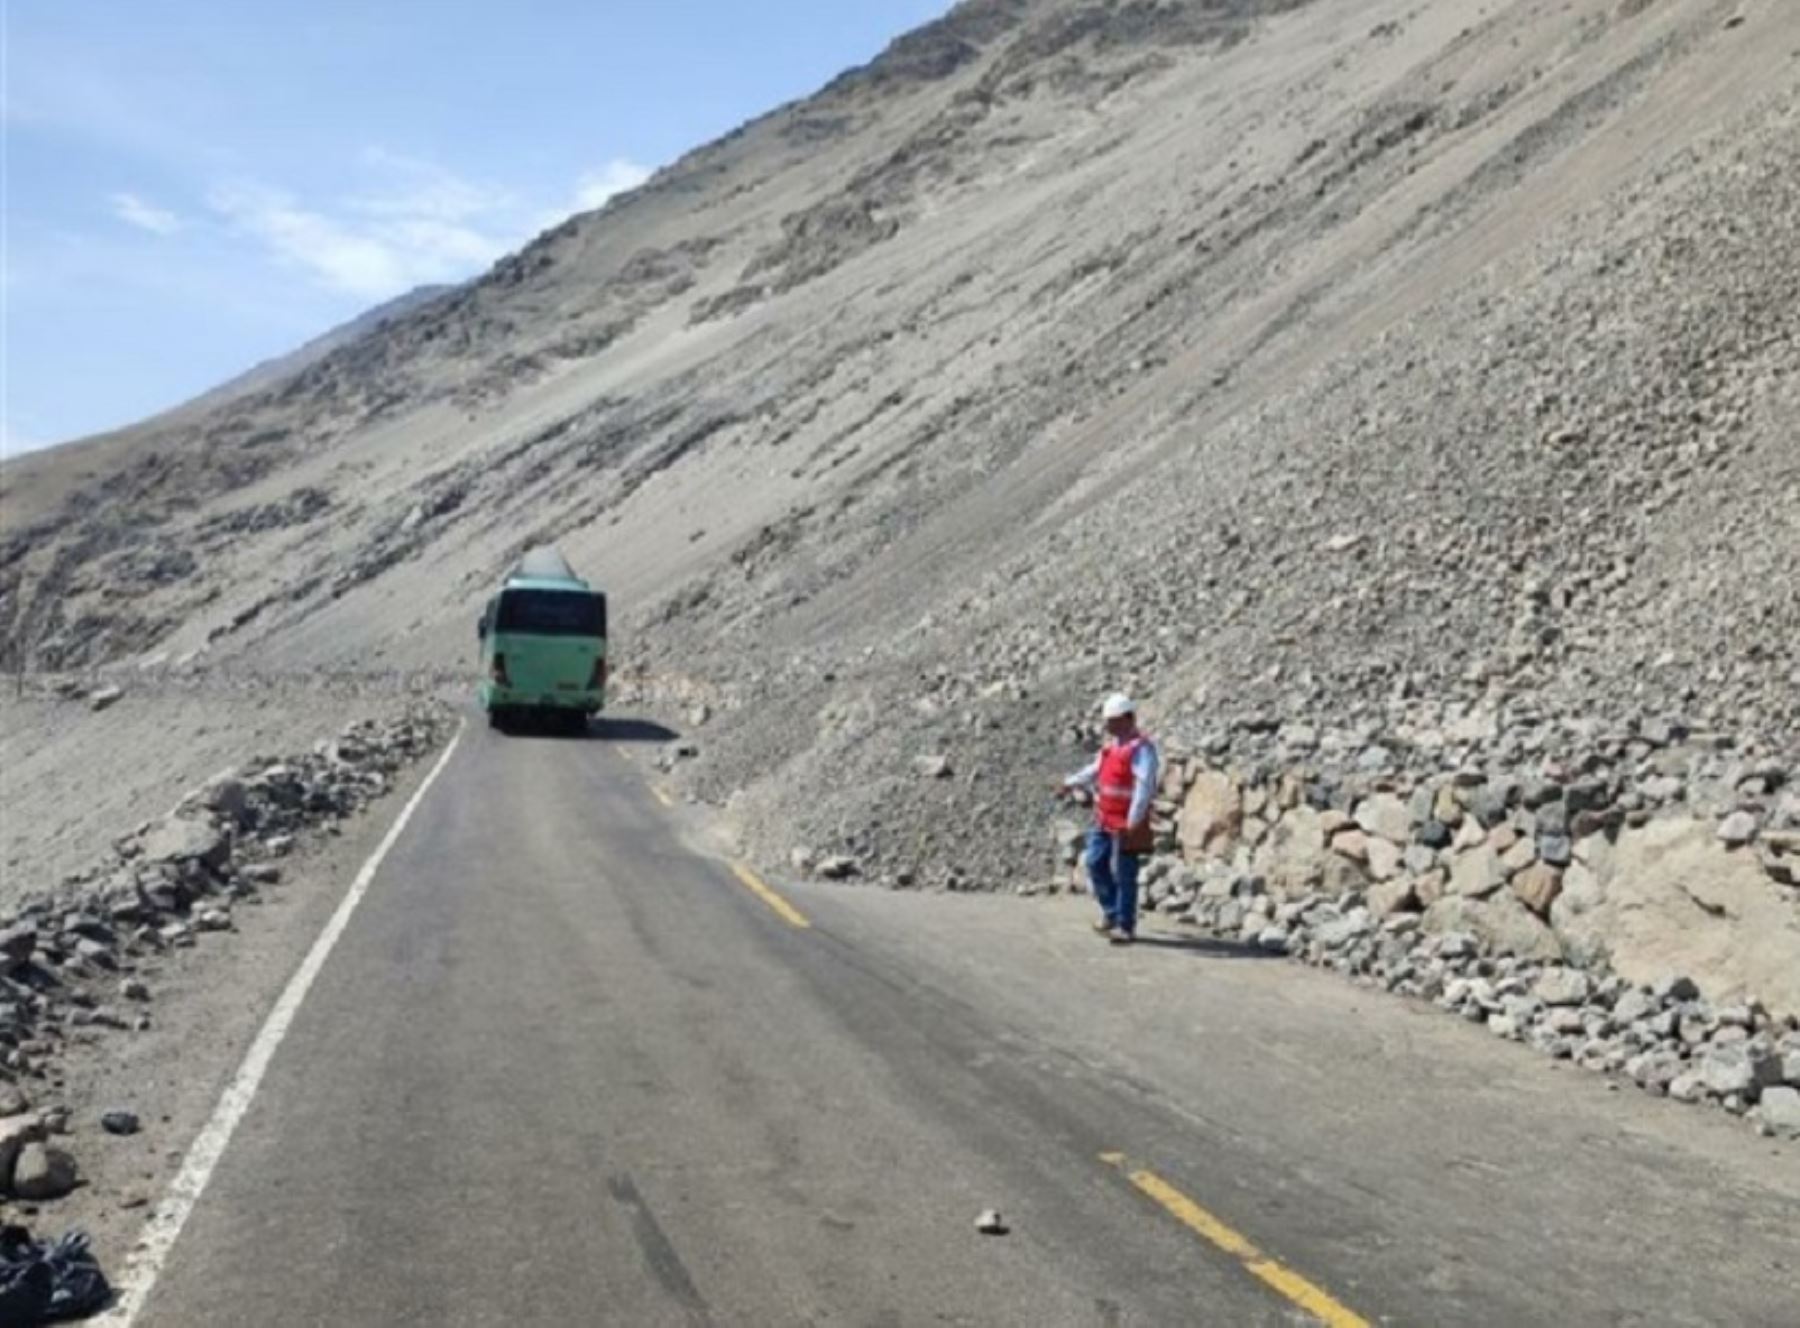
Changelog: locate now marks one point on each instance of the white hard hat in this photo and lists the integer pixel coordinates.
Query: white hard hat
(1116, 705)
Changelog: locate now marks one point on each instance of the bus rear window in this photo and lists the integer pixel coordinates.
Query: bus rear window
(552, 613)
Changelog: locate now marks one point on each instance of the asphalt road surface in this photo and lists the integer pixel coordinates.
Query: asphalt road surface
(565, 1066)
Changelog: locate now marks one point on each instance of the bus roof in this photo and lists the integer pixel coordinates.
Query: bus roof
(544, 568)
(544, 563)
(564, 584)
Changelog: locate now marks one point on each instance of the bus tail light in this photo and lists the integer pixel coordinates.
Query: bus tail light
(500, 671)
(597, 683)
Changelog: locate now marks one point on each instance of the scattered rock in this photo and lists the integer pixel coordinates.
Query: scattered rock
(43, 1172)
(1385, 815)
(1688, 1087)
(1563, 986)
(16, 1131)
(1434, 834)
(17, 944)
(1737, 829)
(1477, 873)
(1537, 887)
(1392, 897)
(933, 766)
(1674, 987)
(1634, 1005)
(224, 793)
(1779, 1109)
(1737, 1069)
(120, 1122)
(1555, 849)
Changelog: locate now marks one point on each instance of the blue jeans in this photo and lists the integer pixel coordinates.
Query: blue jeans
(1115, 879)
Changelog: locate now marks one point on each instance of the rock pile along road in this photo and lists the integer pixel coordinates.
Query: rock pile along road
(563, 1064)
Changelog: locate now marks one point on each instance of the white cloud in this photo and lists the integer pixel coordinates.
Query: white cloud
(372, 254)
(418, 223)
(345, 261)
(616, 177)
(134, 211)
(416, 189)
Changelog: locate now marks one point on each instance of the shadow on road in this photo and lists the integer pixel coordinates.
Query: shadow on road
(1209, 946)
(631, 730)
(599, 729)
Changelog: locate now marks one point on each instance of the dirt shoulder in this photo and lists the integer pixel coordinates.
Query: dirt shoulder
(206, 1006)
(74, 777)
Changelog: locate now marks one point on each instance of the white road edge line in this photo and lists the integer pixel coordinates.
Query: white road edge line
(163, 1227)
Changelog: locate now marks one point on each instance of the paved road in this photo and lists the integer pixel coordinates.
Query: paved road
(565, 1068)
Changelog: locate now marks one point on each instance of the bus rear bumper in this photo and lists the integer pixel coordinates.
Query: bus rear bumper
(513, 699)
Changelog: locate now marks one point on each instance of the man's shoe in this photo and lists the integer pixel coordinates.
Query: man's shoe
(1104, 927)
(1119, 936)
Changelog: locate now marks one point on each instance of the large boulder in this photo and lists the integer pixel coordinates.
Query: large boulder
(1672, 899)
(178, 838)
(1212, 816)
(1477, 872)
(1295, 858)
(1501, 921)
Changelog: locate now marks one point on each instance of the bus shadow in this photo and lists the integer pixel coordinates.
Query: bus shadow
(630, 730)
(565, 729)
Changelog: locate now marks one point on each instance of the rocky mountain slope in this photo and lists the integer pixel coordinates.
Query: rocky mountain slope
(283, 367)
(1280, 361)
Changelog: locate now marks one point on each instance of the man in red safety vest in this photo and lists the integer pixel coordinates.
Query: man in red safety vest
(1122, 779)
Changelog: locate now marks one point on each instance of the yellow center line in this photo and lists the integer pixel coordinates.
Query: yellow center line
(1314, 1300)
(762, 890)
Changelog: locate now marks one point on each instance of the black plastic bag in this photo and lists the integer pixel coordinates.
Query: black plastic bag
(48, 1282)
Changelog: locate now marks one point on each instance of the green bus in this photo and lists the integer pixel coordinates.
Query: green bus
(543, 646)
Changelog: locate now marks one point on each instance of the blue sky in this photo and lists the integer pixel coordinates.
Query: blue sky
(195, 185)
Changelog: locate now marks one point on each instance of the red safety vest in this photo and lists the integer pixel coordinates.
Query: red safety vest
(1115, 783)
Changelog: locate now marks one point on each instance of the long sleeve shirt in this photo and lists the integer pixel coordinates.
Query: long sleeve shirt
(1144, 766)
